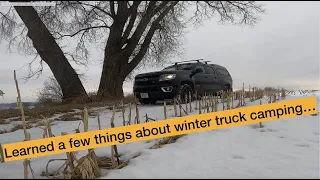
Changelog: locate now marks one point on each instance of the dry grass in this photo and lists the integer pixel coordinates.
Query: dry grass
(88, 166)
(256, 126)
(76, 116)
(34, 115)
(41, 123)
(70, 117)
(105, 162)
(16, 127)
(27, 118)
(167, 140)
(19, 126)
(49, 110)
(3, 131)
(130, 98)
(3, 121)
(37, 112)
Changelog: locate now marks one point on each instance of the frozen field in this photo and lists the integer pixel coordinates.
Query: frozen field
(282, 149)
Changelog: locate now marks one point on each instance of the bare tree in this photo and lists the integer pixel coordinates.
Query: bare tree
(47, 49)
(132, 33)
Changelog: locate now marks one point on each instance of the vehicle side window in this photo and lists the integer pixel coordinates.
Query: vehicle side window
(201, 67)
(209, 70)
(215, 70)
(223, 71)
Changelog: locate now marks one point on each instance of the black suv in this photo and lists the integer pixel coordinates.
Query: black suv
(181, 78)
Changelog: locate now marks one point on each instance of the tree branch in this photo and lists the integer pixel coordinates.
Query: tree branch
(134, 11)
(144, 47)
(112, 8)
(122, 8)
(150, 12)
(121, 18)
(96, 7)
(84, 29)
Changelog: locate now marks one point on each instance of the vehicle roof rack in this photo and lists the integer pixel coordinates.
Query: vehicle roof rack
(206, 62)
(198, 60)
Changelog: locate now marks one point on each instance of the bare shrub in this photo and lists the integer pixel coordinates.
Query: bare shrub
(51, 92)
(1, 93)
(3, 131)
(130, 98)
(70, 117)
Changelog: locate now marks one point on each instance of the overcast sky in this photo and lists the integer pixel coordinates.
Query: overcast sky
(281, 50)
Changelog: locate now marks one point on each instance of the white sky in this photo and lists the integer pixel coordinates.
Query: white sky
(281, 50)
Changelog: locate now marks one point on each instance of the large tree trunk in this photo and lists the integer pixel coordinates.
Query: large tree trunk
(114, 70)
(111, 81)
(51, 53)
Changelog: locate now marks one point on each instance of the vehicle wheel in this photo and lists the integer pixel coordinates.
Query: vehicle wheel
(184, 90)
(147, 101)
(226, 88)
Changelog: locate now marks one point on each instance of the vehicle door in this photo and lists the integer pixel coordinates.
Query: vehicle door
(200, 80)
(212, 82)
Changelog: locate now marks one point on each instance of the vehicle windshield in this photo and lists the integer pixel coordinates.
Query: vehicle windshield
(179, 67)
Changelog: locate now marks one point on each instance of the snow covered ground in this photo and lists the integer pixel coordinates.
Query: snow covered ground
(282, 149)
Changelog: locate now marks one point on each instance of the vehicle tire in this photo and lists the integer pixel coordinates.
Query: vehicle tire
(183, 91)
(147, 101)
(227, 88)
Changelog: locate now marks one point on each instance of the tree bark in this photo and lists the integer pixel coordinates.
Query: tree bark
(111, 82)
(113, 70)
(115, 62)
(51, 53)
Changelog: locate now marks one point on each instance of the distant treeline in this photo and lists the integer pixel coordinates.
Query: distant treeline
(15, 105)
